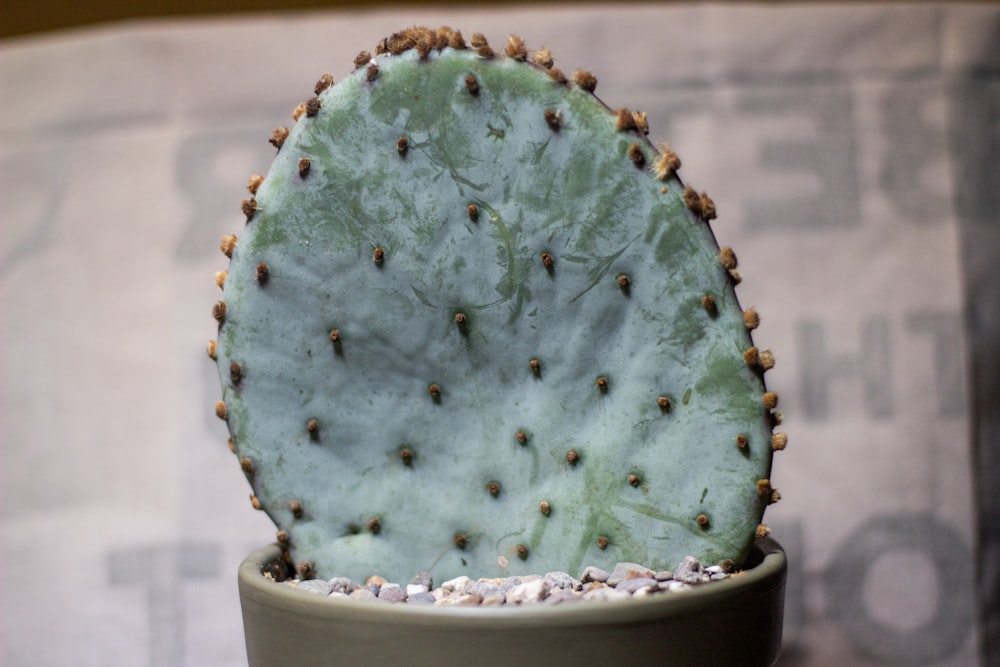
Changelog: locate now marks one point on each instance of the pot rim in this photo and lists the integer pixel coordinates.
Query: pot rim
(756, 581)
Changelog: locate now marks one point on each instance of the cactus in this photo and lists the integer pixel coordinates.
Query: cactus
(477, 325)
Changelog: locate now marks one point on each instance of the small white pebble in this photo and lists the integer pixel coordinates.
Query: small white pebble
(457, 584)
(529, 591)
(413, 589)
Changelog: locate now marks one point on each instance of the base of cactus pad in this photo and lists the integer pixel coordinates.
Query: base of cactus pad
(733, 622)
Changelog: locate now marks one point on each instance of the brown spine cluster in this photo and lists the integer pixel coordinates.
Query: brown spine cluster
(516, 49)
(624, 121)
(313, 106)
(636, 155)
(362, 59)
(543, 58)
(585, 80)
(554, 119)
(481, 46)
(324, 82)
(278, 136)
(666, 164)
(472, 84)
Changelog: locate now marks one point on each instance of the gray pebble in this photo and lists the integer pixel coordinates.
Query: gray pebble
(688, 570)
(664, 575)
(561, 580)
(421, 598)
(592, 573)
(392, 593)
(508, 584)
(423, 579)
(676, 586)
(485, 589)
(341, 584)
(316, 586)
(625, 571)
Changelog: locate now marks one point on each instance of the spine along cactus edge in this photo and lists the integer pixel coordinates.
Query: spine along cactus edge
(476, 324)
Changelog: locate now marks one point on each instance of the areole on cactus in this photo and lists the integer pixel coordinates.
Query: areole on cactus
(477, 325)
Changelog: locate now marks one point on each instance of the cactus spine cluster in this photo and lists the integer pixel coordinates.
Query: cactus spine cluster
(476, 324)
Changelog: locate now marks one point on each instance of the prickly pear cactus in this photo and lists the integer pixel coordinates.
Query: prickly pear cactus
(476, 325)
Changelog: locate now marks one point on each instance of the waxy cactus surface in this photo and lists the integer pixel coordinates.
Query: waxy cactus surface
(476, 325)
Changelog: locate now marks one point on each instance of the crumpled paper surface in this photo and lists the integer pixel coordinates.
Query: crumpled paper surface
(830, 137)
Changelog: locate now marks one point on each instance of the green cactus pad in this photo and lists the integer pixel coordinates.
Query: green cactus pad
(476, 325)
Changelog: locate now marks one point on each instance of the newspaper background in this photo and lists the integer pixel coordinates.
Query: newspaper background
(850, 149)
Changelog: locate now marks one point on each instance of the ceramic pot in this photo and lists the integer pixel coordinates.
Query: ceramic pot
(726, 623)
